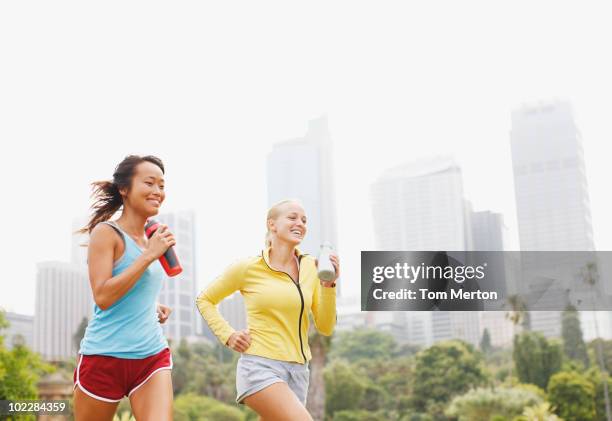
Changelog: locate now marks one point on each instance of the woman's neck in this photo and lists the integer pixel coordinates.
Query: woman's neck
(132, 223)
(281, 254)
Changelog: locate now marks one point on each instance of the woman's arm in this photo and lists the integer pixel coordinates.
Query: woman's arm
(226, 284)
(107, 289)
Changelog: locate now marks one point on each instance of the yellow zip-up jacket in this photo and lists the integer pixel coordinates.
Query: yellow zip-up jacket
(277, 307)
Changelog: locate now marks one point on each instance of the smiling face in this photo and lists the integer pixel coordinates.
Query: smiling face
(287, 223)
(146, 193)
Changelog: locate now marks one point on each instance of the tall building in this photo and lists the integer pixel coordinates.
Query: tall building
(179, 292)
(552, 199)
(63, 299)
(20, 330)
(302, 169)
(421, 206)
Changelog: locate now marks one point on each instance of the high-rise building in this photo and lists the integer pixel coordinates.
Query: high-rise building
(302, 169)
(63, 300)
(20, 330)
(421, 206)
(179, 292)
(552, 199)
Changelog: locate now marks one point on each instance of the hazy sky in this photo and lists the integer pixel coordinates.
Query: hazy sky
(210, 87)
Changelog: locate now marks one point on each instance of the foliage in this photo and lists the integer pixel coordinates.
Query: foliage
(573, 343)
(359, 415)
(483, 403)
(191, 407)
(485, 342)
(345, 388)
(363, 344)
(541, 412)
(573, 396)
(536, 358)
(445, 370)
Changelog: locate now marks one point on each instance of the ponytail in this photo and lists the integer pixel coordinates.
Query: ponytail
(107, 202)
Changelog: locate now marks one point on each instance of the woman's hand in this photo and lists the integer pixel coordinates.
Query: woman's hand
(335, 261)
(240, 340)
(161, 240)
(163, 312)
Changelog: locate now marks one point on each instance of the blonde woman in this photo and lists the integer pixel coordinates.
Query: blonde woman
(280, 288)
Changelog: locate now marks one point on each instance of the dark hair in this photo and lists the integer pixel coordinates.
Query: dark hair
(107, 199)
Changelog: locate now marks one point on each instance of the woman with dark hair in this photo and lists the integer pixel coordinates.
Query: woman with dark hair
(281, 288)
(124, 351)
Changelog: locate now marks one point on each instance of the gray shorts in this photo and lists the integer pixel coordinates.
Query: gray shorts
(255, 373)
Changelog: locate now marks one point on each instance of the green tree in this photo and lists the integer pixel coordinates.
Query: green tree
(573, 344)
(445, 370)
(606, 352)
(573, 396)
(20, 370)
(485, 342)
(536, 358)
(359, 415)
(483, 403)
(363, 344)
(344, 388)
(191, 407)
(595, 376)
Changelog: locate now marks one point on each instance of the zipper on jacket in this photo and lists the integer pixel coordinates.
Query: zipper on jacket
(301, 309)
(297, 284)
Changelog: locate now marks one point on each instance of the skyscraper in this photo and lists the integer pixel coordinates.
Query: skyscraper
(179, 292)
(421, 206)
(302, 169)
(552, 199)
(63, 299)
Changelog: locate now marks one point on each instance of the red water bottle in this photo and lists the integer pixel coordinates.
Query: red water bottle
(168, 260)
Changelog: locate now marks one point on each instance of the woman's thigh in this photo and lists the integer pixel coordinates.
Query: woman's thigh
(277, 403)
(87, 408)
(153, 400)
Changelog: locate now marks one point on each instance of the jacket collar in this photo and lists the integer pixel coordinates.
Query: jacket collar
(265, 253)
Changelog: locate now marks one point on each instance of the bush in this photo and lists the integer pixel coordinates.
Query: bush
(482, 404)
(358, 415)
(573, 396)
(190, 407)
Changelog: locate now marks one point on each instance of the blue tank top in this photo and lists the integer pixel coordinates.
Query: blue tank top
(130, 327)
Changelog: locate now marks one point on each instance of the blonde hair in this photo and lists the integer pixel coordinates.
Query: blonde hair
(273, 213)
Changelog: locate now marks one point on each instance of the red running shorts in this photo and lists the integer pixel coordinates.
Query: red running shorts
(109, 379)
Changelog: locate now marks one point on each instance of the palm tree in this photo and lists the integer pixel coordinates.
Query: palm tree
(518, 314)
(590, 276)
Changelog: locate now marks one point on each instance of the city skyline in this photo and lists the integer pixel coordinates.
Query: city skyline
(77, 221)
(212, 102)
